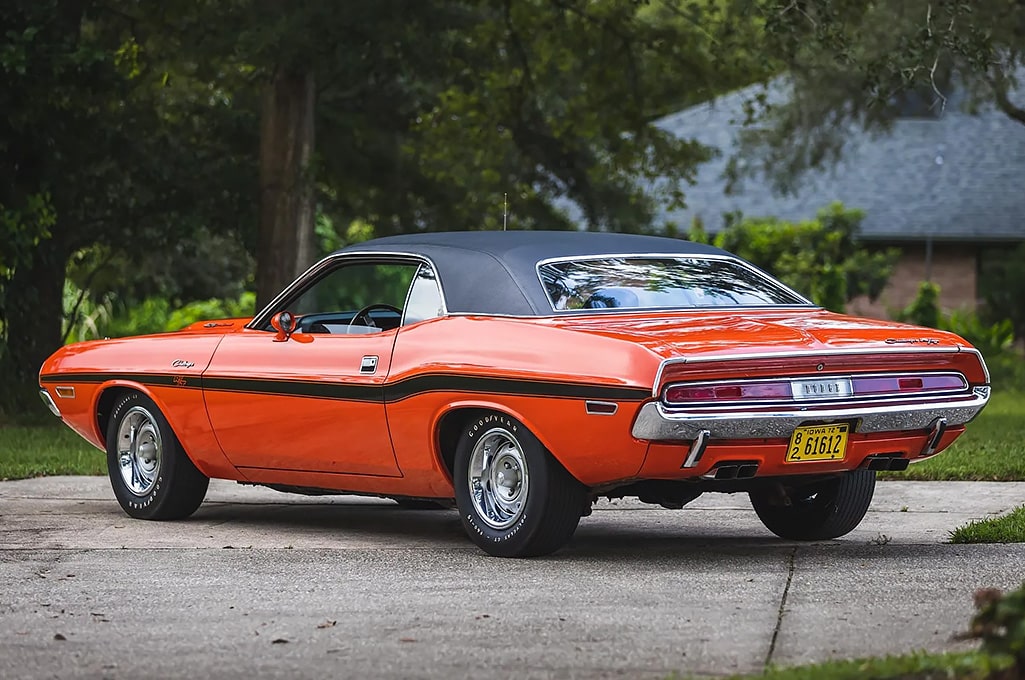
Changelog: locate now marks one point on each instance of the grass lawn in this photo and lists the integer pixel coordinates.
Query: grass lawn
(915, 666)
(52, 449)
(1009, 528)
(992, 449)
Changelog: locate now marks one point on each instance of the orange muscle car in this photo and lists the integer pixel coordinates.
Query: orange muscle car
(522, 375)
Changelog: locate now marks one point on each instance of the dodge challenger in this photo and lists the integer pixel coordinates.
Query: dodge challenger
(519, 376)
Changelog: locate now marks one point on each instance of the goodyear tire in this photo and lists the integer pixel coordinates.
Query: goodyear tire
(826, 509)
(514, 498)
(150, 473)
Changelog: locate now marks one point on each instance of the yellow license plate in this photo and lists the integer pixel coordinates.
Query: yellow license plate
(818, 442)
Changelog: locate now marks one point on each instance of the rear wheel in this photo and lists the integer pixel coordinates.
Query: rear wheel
(151, 475)
(818, 511)
(514, 498)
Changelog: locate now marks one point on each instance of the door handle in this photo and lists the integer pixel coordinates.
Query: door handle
(368, 364)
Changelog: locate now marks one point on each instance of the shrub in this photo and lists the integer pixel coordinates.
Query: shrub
(821, 258)
(994, 340)
(1000, 623)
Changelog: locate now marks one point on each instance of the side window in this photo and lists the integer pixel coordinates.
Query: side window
(424, 297)
(356, 298)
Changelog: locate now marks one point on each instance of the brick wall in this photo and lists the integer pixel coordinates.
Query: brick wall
(954, 269)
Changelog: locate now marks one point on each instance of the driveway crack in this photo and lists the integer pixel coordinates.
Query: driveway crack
(782, 607)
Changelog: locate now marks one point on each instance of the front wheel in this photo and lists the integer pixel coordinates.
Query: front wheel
(151, 475)
(514, 498)
(818, 511)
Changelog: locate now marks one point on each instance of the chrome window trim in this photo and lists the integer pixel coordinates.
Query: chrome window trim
(338, 259)
(886, 349)
(672, 256)
(409, 293)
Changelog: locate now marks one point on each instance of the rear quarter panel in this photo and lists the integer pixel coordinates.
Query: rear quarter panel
(541, 375)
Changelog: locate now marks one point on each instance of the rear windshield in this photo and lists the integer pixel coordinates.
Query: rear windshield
(660, 282)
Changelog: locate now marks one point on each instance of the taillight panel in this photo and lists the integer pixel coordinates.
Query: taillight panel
(806, 389)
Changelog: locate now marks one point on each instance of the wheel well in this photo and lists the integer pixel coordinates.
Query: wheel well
(449, 429)
(105, 406)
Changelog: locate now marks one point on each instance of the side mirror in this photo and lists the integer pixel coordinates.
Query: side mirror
(284, 324)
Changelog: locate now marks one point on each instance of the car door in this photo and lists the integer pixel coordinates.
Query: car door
(313, 400)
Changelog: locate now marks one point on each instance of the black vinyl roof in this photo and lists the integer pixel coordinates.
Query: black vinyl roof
(495, 272)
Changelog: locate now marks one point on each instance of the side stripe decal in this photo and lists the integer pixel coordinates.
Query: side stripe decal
(390, 392)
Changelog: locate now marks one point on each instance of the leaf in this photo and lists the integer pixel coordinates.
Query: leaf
(327, 624)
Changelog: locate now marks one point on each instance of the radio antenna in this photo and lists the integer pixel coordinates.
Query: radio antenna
(505, 211)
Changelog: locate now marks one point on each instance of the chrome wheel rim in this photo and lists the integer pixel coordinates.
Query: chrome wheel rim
(139, 450)
(498, 478)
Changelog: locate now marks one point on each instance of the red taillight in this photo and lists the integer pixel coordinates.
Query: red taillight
(679, 394)
(869, 386)
(783, 389)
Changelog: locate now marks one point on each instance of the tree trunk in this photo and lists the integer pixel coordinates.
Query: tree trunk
(33, 311)
(286, 245)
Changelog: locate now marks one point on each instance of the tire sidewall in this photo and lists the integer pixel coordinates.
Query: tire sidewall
(512, 540)
(148, 506)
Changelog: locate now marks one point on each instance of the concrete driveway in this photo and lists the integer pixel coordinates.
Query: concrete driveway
(261, 584)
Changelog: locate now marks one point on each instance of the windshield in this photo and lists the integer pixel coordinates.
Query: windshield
(639, 282)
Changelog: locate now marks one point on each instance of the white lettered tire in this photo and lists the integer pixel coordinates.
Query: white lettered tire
(151, 475)
(514, 498)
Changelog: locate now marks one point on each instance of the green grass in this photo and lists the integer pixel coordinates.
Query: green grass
(914, 666)
(992, 448)
(1009, 528)
(40, 450)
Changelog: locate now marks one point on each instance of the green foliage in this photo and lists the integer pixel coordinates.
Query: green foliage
(1000, 623)
(924, 310)
(111, 318)
(820, 258)
(994, 340)
(21, 229)
(1009, 528)
(1002, 287)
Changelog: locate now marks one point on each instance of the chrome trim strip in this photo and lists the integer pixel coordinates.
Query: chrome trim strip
(48, 400)
(674, 256)
(656, 422)
(263, 316)
(886, 349)
(590, 405)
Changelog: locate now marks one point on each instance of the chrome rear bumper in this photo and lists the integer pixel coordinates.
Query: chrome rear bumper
(657, 422)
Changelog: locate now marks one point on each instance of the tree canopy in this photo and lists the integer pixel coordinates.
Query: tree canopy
(866, 63)
(147, 143)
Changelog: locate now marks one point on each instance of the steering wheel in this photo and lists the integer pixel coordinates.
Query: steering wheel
(364, 313)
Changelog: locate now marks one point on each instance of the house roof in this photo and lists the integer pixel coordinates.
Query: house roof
(955, 177)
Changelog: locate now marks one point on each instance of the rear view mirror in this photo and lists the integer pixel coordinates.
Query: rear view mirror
(284, 324)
